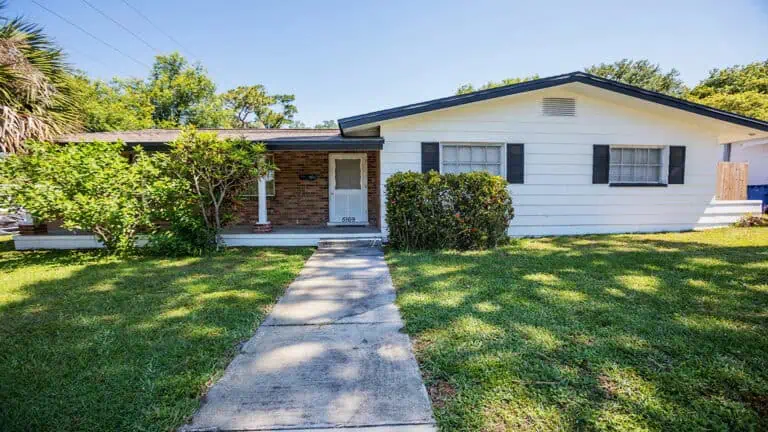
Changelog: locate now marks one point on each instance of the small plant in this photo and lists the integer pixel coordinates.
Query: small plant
(750, 220)
(451, 211)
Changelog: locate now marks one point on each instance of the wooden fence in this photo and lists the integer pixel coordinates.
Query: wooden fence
(732, 181)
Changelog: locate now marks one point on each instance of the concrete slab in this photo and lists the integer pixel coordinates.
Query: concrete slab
(330, 355)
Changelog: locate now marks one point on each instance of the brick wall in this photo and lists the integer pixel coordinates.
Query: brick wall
(305, 202)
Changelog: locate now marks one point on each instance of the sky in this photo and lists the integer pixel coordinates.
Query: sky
(342, 58)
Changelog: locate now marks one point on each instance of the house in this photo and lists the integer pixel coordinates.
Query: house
(582, 154)
(755, 153)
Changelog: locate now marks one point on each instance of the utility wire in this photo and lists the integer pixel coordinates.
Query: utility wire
(120, 25)
(92, 35)
(158, 28)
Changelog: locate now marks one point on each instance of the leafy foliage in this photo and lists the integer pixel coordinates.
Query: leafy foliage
(253, 107)
(469, 88)
(750, 220)
(88, 186)
(740, 89)
(641, 73)
(111, 106)
(35, 99)
(449, 211)
(327, 124)
(216, 171)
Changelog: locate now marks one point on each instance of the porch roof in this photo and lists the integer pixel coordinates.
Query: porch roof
(275, 139)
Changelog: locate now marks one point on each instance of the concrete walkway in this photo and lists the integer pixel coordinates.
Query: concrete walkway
(330, 355)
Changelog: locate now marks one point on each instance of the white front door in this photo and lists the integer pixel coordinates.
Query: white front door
(348, 188)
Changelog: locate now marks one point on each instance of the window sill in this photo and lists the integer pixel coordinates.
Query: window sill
(637, 184)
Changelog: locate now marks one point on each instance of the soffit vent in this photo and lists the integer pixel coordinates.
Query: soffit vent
(558, 107)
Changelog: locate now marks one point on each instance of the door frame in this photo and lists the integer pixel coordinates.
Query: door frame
(332, 158)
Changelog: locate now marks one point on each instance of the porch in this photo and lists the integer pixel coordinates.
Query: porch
(237, 235)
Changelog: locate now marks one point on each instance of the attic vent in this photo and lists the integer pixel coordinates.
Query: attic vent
(558, 107)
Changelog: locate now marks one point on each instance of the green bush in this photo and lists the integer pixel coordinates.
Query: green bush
(450, 211)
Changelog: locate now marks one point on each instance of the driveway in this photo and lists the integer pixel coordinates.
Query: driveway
(330, 355)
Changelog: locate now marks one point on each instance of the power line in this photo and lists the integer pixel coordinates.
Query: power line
(92, 35)
(120, 25)
(158, 28)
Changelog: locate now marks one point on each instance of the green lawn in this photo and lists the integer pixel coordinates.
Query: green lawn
(621, 332)
(96, 343)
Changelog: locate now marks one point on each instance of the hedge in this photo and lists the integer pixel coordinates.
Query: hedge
(449, 211)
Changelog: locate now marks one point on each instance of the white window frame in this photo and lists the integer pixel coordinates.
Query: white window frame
(502, 153)
(663, 167)
(270, 179)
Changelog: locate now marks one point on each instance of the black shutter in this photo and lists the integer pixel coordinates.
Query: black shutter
(515, 163)
(676, 165)
(430, 156)
(601, 160)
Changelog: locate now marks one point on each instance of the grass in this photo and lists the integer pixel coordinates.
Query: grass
(90, 342)
(617, 332)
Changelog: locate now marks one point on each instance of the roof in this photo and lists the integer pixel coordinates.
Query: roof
(275, 139)
(542, 83)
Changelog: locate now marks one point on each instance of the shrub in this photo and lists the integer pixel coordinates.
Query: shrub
(450, 211)
(88, 186)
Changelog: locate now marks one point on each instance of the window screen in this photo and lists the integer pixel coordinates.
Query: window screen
(462, 158)
(635, 165)
(348, 174)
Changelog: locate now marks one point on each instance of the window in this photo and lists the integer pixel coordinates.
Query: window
(253, 190)
(462, 158)
(636, 165)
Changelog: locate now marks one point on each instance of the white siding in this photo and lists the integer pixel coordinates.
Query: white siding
(558, 196)
(757, 156)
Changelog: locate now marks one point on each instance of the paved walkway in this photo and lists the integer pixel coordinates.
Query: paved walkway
(330, 355)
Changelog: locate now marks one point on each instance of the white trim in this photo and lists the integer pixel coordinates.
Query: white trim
(29, 242)
(503, 153)
(332, 158)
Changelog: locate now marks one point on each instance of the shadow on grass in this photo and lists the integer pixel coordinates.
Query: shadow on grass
(92, 342)
(661, 332)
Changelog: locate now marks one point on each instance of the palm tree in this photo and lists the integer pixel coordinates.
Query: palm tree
(36, 101)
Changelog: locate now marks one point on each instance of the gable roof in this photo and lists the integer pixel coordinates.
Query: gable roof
(542, 83)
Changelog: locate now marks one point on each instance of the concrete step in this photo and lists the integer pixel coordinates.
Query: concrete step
(372, 242)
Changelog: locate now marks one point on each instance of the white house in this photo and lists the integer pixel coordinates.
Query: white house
(582, 154)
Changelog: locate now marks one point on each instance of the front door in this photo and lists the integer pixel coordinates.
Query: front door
(348, 188)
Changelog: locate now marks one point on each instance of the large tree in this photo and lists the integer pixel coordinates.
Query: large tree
(181, 93)
(641, 73)
(741, 89)
(254, 107)
(35, 99)
(469, 88)
(327, 124)
(111, 106)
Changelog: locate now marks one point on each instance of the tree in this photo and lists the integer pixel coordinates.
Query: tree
(217, 171)
(296, 124)
(88, 186)
(182, 94)
(469, 88)
(740, 89)
(35, 99)
(327, 124)
(110, 106)
(254, 107)
(641, 73)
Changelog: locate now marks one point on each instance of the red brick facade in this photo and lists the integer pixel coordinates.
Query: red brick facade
(300, 202)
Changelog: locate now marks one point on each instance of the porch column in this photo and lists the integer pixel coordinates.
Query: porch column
(263, 226)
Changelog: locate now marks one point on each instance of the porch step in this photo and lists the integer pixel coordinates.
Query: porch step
(372, 242)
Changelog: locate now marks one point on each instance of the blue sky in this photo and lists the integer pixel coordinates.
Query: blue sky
(342, 58)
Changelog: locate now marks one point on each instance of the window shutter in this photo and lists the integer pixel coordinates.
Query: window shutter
(676, 165)
(601, 160)
(515, 163)
(430, 157)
